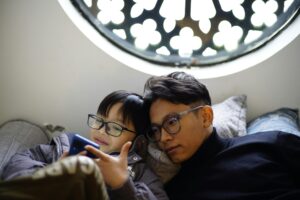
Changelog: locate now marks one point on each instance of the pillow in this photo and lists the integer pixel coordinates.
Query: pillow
(230, 116)
(17, 135)
(160, 163)
(283, 119)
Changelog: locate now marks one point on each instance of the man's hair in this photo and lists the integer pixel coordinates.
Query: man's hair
(178, 88)
(132, 109)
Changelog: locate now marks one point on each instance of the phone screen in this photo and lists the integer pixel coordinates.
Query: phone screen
(78, 143)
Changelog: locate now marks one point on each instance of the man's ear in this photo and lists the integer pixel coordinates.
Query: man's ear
(207, 116)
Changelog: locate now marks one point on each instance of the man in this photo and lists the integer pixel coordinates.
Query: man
(262, 166)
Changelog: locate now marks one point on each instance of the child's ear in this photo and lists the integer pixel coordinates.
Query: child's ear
(207, 116)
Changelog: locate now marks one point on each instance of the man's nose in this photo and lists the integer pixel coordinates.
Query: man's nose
(165, 136)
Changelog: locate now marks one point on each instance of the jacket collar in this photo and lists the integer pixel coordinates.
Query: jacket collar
(208, 150)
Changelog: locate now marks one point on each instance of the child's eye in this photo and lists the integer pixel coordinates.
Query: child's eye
(116, 127)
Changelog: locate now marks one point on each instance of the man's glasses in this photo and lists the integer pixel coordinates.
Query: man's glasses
(111, 128)
(171, 124)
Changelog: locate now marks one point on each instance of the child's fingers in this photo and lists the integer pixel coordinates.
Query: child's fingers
(82, 153)
(125, 150)
(103, 156)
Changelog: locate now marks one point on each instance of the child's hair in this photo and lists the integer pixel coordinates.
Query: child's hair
(132, 109)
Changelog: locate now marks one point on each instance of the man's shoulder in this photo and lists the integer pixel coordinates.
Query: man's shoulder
(268, 137)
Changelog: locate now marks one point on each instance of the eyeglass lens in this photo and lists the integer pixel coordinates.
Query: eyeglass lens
(111, 128)
(171, 125)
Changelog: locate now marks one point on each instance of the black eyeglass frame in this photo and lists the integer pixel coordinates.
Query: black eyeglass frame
(178, 116)
(105, 124)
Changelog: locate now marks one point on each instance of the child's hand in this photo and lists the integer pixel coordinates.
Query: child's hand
(114, 169)
(66, 154)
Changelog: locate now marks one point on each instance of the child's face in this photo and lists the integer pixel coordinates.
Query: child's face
(110, 143)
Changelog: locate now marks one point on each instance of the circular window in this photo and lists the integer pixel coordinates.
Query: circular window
(187, 34)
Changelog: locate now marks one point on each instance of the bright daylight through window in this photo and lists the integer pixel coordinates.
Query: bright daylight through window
(186, 34)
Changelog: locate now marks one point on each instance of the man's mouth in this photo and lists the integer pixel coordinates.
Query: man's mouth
(171, 150)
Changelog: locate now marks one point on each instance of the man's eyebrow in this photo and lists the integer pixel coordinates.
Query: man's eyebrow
(171, 114)
(155, 124)
(166, 117)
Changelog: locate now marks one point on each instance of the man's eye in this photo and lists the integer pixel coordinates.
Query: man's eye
(154, 129)
(171, 121)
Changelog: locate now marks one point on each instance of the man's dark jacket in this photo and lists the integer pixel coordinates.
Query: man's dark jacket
(262, 166)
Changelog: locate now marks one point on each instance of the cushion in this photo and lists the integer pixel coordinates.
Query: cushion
(17, 135)
(160, 163)
(79, 177)
(230, 116)
(282, 119)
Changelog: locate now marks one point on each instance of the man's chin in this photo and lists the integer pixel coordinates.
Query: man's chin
(175, 159)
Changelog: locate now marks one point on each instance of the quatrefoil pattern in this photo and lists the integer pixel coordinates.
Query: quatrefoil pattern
(195, 32)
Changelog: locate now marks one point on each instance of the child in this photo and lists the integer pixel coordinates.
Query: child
(120, 120)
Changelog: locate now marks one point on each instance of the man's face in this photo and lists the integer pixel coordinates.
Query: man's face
(193, 130)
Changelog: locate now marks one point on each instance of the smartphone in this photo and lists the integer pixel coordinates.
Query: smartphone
(78, 143)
